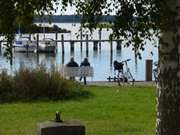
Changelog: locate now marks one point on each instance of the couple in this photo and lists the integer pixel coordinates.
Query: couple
(84, 63)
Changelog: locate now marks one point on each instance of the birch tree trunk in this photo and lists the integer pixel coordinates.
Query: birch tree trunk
(168, 94)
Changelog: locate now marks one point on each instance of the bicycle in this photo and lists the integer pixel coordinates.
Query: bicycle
(123, 75)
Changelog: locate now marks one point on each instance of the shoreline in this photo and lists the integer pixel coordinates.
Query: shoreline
(107, 83)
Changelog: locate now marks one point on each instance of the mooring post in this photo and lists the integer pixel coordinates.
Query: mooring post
(81, 38)
(100, 38)
(111, 46)
(87, 46)
(11, 53)
(56, 38)
(95, 46)
(72, 47)
(118, 47)
(62, 41)
(37, 49)
(149, 70)
(63, 58)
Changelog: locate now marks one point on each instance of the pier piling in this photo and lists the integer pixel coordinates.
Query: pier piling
(37, 40)
(81, 37)
(119, 47)
(95, 45)
(87, 46)
(56, 37)
(72, 47)
(62, 39)
(100, 38)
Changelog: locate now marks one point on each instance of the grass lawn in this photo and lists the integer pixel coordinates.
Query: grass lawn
(109, 111)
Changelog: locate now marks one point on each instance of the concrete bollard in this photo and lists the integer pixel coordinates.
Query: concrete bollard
(57, 128)
(149, 70)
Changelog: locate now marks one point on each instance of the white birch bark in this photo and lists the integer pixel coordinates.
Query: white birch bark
(168, 94)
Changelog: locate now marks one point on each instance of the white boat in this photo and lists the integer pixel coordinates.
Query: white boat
(24, 44)
(47, 45)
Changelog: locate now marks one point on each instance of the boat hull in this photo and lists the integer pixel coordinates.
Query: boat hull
(24, 48)
(47, 45)
(47, 49)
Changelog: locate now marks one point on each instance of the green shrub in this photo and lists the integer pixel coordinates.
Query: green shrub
(30, 84)
(6, 87)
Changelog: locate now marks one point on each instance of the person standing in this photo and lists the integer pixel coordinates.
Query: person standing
(84, 63)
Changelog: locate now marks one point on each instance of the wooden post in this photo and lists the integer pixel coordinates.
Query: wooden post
(56, 38)
(63, 58)
(118, 47)
(95, 46)
(62, 38)
(149, 70)
(100, 39)
(37, 49)
(72, 47)
(81, 38)
(111, 46)
(87, 46)
(37, 43)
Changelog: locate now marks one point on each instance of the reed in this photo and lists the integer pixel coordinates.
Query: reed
(35, 83)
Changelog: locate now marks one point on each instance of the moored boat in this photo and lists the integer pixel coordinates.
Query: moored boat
(24, 44)
(47, 45)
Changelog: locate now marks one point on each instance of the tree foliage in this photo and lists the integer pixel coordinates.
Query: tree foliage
(136, 20)
(15, 12)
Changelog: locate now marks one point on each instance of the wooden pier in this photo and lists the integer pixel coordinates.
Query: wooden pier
(72, 42)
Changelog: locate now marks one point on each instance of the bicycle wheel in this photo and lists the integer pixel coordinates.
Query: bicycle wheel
(129, 78)
(131, 81)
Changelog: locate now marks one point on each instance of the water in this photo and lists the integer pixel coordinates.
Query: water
(101, 60)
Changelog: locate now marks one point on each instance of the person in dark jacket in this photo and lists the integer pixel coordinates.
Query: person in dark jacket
(84, 63)
(72, 63)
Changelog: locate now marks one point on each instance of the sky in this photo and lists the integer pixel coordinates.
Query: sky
(71, 11)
